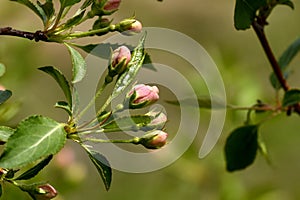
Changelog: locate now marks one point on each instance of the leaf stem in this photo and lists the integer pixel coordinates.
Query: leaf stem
(133, 140)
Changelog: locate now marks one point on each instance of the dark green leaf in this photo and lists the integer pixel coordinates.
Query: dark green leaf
(66, 3)
(79, 65)
(86, 4)
(203, 102)
(33, 7)
(4, 95)
(65, 106)
(287, 2)
(74, 20)
(245, 11)
(127, 123)
(32, 172)
(103, 167)
(61, 80)
(2, 69)
(0, 190)
(284, 60)
(241, 147)
(5, 133)
(134, 65)
(291, 97)
(48, 8)
(35, 137)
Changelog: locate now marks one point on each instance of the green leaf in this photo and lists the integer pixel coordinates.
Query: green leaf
(134, 65)
(33, 7)
(65, 106)
(127, 123)
(5, 133)
(291, 97)
(245, 11)
(284, 60)
(241, 147)
(103, 167)
(35, 137)
(287, 2)
(0, 190)
(4, 95)
(61, 80)
(48, 9)
(66, 3)
(79, 65)
(32, 172)
(2, 69)
(74, 20)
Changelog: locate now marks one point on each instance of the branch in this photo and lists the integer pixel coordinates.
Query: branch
(37, 36)
(259, 30)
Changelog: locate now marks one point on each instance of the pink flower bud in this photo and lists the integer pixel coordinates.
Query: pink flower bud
(142, 95)
(45, 192)
(119, 55)
(112, 5)
(154, 140)
(130, 27)
(119, 61)
(158, 120)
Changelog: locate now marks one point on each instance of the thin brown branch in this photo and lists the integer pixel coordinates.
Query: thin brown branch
(37, 36)
(259, 30)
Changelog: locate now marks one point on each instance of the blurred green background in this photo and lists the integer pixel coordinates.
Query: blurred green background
(245, 71)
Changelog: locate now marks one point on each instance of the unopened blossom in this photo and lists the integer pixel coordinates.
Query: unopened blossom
(142, 95)
(130, 27)
(112, 5)
(154, 140)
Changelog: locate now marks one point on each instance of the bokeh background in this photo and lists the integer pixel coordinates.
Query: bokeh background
(244, 69)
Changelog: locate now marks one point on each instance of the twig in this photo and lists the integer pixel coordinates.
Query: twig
(37, 36)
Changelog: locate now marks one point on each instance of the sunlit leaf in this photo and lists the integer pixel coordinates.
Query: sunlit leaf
(284, 61)
(4, 95)
(291, 97)
(32, 172)
(103, 167)
(61, 80)
(35, 137)
(245, 11)
(134, 65)
(5, 133)
(241, 147)
(79, 64)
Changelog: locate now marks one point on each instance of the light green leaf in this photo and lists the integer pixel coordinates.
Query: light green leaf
(284, 61)
(4, 95)
(79, 64)
(33, 7)
(61, 80)
(134, 65)
(291, 97)
(35, 137)
(5, 133)
(2, 69)
(245, 11)
(103, 167)
(32, 172)
(241, 147)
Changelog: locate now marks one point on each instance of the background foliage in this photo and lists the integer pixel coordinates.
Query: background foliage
(244, 68)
